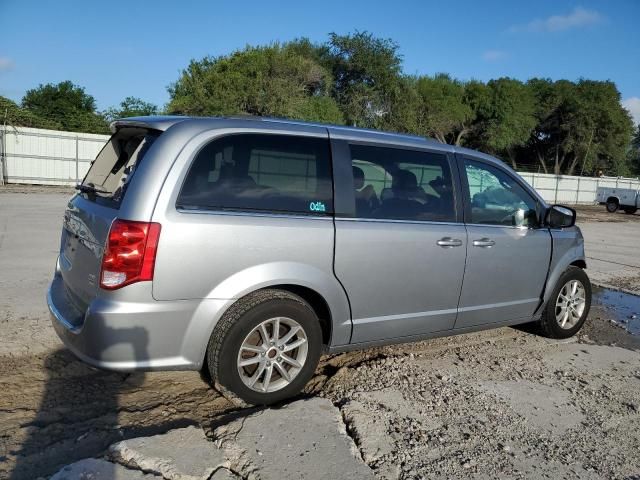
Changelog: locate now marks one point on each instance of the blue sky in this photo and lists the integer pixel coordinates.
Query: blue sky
(117, 49)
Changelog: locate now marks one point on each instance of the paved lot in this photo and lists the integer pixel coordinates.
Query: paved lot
(29, 241)
(612, 246)
(503, 403)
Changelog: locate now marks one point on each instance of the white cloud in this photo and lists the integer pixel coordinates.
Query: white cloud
(633, 105)
(578, 17)
(494, 55)
(6, 64)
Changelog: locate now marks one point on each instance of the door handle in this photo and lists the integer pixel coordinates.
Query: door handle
(484, 242)
(448, 242)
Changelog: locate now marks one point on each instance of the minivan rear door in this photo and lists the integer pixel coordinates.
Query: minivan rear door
(399, 251)
(90, 212)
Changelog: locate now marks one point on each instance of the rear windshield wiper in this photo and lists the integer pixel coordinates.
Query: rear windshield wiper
(90, 188)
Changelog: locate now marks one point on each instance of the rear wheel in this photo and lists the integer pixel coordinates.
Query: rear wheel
(266, 347)
(630, 210)
(568, 305)
(612, 205)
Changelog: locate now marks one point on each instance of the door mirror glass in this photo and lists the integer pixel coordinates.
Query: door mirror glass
(560, 216)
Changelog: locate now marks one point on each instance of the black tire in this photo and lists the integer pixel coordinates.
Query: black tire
(548, 324)
(238, 322)
(629, 210)
(612, 206)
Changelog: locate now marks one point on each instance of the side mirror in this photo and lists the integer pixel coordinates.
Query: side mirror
(559, 216)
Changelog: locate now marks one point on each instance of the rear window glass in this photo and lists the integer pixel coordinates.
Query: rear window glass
(110, 173)
(276, 173)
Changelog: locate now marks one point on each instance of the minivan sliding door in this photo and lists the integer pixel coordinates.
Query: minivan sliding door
(399, 252)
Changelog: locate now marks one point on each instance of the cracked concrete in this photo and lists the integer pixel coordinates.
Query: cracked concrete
(304, 439)
(180, 454)
(99, 469)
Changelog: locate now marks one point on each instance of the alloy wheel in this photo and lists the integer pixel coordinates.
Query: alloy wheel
(570, 304)
(272, 354)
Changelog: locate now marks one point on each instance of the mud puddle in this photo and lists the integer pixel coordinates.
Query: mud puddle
(622, 308)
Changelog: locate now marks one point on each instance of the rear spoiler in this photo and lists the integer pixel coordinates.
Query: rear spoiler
(161, 123)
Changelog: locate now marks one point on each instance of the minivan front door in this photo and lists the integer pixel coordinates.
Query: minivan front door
(400, 255)
(507, 255)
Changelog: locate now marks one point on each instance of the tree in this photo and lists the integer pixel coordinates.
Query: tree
(130, 107)
(580, 126)
(633, 154)
(505, 117)
(367, 80)
(67, 104)
(13, 114)
(559, 126)
(276, 80)
(442, 111)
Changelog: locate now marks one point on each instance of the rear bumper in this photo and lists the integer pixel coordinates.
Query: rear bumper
(133, 335)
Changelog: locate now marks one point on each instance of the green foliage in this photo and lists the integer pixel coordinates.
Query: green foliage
(442, 111)
(66, 104)
(505, 117)
(633, 154)
(12, 114)
(580, 127)
(367, 81)
(276, 80)
(130, 107)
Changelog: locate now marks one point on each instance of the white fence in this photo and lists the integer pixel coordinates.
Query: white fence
(572, 189)
(49, 157)
(46, 157)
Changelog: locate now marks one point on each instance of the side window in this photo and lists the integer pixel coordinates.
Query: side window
(275, 173)
(497, 199)
(391, 183)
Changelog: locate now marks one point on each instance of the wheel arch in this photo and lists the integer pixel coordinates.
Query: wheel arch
(568, 251)
(317, 303)
(581, 263)
(319, 289)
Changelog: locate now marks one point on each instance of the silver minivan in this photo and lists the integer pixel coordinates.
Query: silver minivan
(248, 247)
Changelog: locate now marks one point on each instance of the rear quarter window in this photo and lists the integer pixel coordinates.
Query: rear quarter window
(259, 172)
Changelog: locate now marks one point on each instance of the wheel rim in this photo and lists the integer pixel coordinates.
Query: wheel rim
(570, 304)
(272, 355)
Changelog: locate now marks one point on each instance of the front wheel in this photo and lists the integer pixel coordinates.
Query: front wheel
(568, 306)
(266, 347)
(630, 210)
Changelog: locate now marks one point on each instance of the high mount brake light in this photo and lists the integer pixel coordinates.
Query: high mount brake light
(130, 254)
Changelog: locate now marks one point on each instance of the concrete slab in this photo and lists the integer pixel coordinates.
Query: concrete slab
(97, 469)
(543, 406)
(180, 454)
(304, 439)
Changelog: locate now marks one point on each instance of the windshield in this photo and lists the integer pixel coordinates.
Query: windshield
(112, 170)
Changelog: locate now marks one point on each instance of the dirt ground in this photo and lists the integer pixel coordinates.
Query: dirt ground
(504, 403)
(597, 213)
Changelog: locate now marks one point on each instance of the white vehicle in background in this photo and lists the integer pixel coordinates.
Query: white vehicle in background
(626, 199)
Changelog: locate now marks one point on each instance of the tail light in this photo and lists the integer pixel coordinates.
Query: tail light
(130, 254)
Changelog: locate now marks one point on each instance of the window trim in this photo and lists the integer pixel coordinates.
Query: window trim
(344, 200)
(540, 205)
(248, 211)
